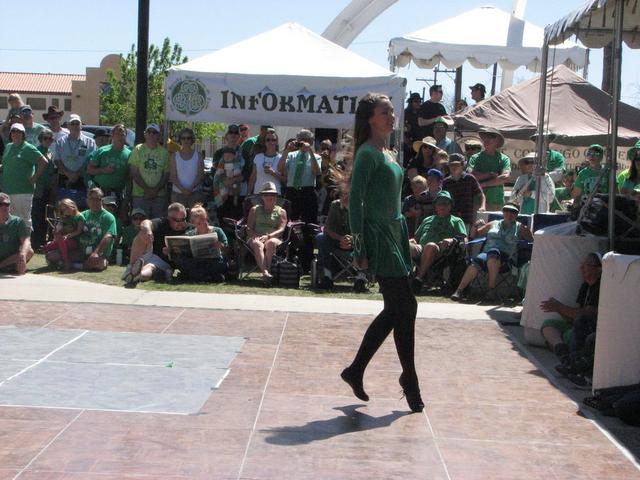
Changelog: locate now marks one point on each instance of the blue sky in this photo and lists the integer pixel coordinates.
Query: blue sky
(68, 36)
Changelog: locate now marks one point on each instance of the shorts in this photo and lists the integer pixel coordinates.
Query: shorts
(480, 260)
(156, 261)
(563, 326)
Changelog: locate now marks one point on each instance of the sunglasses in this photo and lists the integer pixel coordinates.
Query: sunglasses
(178, 220)
(14, 130)
(594, 154)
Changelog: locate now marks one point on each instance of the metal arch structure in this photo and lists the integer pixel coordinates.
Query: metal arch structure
(354, 19)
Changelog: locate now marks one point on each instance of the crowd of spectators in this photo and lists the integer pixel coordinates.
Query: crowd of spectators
(89, 202)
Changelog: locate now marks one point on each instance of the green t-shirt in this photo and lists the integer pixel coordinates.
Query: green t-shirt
(247, 147)
(587, 181)
(96, 227)
(498, 164)
(46, 179)
(434, 229)
(128, 234)
(152, 163)
(378, 227)
(12, 232)
(106, 156)
(31, 134)
(622, 178)
(562, 194)
(20, 164)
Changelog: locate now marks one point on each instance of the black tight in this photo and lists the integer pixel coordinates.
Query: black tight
(399, 315)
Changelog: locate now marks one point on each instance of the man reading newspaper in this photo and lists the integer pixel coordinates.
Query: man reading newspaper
(200, 253)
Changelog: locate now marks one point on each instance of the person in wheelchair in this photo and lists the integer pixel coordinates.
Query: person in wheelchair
(438, 237)
(499, 249)
(336, 240)
(265, 226)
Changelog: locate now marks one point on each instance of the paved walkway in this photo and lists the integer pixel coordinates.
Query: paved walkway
(282, 412)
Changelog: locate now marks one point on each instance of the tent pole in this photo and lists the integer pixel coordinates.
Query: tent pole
(493, 79)
(615, 98)
(458, 94)
(540, 142)
(585, 69)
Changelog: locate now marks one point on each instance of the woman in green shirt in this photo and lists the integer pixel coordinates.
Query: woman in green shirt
(381, 244)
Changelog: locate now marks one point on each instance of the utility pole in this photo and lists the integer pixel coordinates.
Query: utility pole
(142, 71)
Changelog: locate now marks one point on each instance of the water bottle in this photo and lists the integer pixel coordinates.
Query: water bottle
(119, 256)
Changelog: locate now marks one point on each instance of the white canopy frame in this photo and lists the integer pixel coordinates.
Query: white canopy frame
(597, 24)
(483, 36)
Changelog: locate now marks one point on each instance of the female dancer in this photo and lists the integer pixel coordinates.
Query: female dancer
(381, 244)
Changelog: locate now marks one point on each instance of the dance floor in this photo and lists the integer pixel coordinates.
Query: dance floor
(105, 392)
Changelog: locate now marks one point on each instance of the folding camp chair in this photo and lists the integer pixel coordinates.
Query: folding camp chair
(507, 281)
(241, 253)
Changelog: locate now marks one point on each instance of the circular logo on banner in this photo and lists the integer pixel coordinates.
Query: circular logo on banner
(189, 96)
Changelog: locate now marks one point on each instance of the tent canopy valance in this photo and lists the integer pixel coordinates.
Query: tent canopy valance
(579, 113)
(593, 24)
(288, 76)
(482, 36)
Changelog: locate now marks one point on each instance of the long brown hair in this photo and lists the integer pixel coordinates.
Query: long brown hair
(361, 133)
(366, 107)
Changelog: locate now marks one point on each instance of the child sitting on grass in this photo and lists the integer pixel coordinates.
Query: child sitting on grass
(69, 226)
(130, 231)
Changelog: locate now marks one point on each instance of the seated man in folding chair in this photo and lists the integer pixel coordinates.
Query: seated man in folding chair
(336, 242)
(437, 237)
(266, 224)
(499, 251)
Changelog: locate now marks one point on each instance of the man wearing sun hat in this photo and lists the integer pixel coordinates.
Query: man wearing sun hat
(54, 117)
(149, 170)
(491, 167)
(440, 127)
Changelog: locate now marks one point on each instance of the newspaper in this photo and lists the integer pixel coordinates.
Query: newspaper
(197, 246)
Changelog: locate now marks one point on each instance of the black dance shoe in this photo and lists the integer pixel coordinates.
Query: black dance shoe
(412, 394)
(355, 382)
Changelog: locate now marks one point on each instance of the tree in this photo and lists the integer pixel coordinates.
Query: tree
(118, 96)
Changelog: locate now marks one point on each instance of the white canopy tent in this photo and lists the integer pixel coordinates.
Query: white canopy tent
(288, 76)
(482, 36)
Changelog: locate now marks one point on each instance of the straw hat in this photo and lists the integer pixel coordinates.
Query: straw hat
(429, 141)
(268, 188)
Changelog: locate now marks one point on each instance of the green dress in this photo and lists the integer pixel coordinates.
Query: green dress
(378, 227)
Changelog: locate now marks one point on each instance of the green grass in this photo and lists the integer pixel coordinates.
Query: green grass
(250, 286)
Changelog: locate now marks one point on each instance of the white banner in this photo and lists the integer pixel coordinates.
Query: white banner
(284, 101)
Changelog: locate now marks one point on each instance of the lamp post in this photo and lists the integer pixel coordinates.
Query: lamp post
(142, 74)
